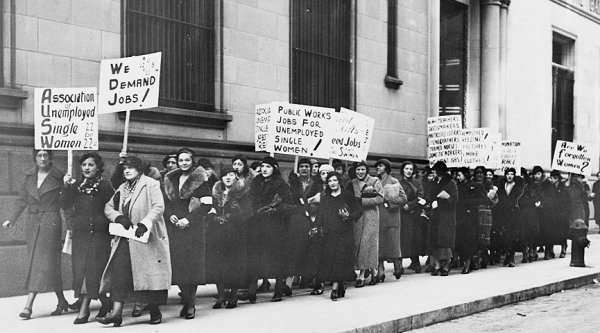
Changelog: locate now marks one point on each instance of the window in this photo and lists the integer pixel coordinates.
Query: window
(453, 57)
(321, 37)
(184, 31)
(562, 88)
(2, 43)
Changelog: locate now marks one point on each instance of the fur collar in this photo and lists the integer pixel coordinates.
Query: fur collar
(222, 199)
(196, 178)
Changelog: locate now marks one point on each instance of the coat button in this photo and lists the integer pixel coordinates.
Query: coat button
(159, 261)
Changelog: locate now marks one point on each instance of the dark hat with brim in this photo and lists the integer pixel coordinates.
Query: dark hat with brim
(440, 167)
(133, 161)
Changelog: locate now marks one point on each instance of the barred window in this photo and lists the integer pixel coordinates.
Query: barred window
(184, 31)
(320, 73)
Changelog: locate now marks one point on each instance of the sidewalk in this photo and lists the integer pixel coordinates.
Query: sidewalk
(396, 305)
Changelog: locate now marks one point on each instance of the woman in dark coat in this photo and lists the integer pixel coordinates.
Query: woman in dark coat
(227, 237)
(595, 195)
(188, 200)
(389, 220)
(40, 193)
(470, 196)
(530, 205)
(484, 213)
(414, 229)
(443, 198)
(338, 211)
(270, 199)
(302, 249)
(556, 207)
(507, 215)
(91, 240)
(578, 195)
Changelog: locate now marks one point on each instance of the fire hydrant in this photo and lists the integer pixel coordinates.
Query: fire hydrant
(579, 241)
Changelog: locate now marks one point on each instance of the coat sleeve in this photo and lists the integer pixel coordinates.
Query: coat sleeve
(157, 204)
(355, 209)
(203, 196)
(20, 204)
(452, 190)
(396, 197)
(377, 200)
(110, 210)
(67, 197)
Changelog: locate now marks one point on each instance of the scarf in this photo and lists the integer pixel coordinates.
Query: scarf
(129, 188)
(89, 186)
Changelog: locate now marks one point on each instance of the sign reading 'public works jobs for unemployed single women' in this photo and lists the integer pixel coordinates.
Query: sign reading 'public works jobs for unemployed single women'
(129, 83)
(65, 119)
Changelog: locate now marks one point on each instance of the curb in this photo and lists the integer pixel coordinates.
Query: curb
(461, 310)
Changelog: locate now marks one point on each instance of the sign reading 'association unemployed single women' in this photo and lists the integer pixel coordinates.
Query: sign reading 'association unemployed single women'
(572, 157)
(129, 83)
(262, 116)
(65, 119)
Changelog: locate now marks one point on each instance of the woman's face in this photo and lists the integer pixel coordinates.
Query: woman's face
(380, 169)
(460, 176)
(408, 170)
(314, 169)
(229, 179)
(171, 164)
(185, 162)
(304, 170)
(42, 159)
(238, 166)
(333, 183)
(324, 175)
(361, 172)
(266, 170)
(89, 168)
(479, 175)
(431, 175)
(130, 172)
(489, 175)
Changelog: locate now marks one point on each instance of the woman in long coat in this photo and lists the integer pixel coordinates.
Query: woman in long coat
(443, 198)
(414, 229)
(556, 208)
(136, 269)
(484, 213)
(337, 213)
(91, 239)
(40, 193)
(530, 204)
(366, 229)
(189, 198)
(507, 215)
(228, 237)
(270, 201)
(389, 220)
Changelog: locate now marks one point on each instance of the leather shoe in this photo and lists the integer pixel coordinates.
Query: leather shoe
(277, 297)
(60, 308)
(359, 283)
(334, 295)
(156, 318)
(82, 320)
(191, 314)
(26, 313)
(116, 321)
(137, 310)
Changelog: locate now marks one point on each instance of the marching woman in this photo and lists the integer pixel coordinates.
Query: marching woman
(337, 213)
(135, 269)
(41, 195)
(443, 198)
(227, 235)
(389, 220)
(91, 240)
(189, 198)
(414, 229)
(366, 229)
(270, 199)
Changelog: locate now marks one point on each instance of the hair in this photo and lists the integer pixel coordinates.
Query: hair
(50, 153)
(329, 175)
(246, 169)
(254, 165)
(186, 151)
(513, 170)
(337, 163)
(97, 159)
(403, 165)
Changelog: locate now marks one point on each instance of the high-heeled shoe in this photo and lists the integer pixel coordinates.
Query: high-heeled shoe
(26, 313)
(137, 310)
(115, 320)
(76, 305)
(359, 283)
(334, 295)
(246, 296)
(287, 291)
(155, 317)
(264, 287)
(190, 314)
(231, 303)
(104, 309)
(60, 308)
(82, 320)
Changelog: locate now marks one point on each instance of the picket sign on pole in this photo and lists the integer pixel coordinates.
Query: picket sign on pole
(296, 159)
(126, 133)
(70, 161)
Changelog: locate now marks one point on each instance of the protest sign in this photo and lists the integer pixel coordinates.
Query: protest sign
(301, 130)
(352, 135)
(65, 119)
(510, 156)
(129, 83)
(443, 140)
(572, 157)
(475, 145)
(262, 116)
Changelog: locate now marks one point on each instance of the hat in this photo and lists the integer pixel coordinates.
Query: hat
(169, 156)
(556, 173)
(205, 163)
(326, 167)
(313, 161)
(226, 170)
(133, 161)
(363, 163)
(386, 163)
(465, 171)
(304, 160)
(440, 167)
(270, 161)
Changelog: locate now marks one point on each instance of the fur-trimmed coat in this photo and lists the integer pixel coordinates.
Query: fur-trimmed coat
(389, 218)
(227, 238)
(188, 245)
(268, 231)
(43, 229)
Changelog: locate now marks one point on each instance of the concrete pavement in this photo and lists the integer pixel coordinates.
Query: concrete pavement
(413, 301)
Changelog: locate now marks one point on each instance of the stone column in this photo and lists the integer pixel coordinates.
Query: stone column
(503, 66)
(490, 63)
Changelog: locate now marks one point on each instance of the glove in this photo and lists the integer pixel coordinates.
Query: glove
(141, 230)
(124, 221)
